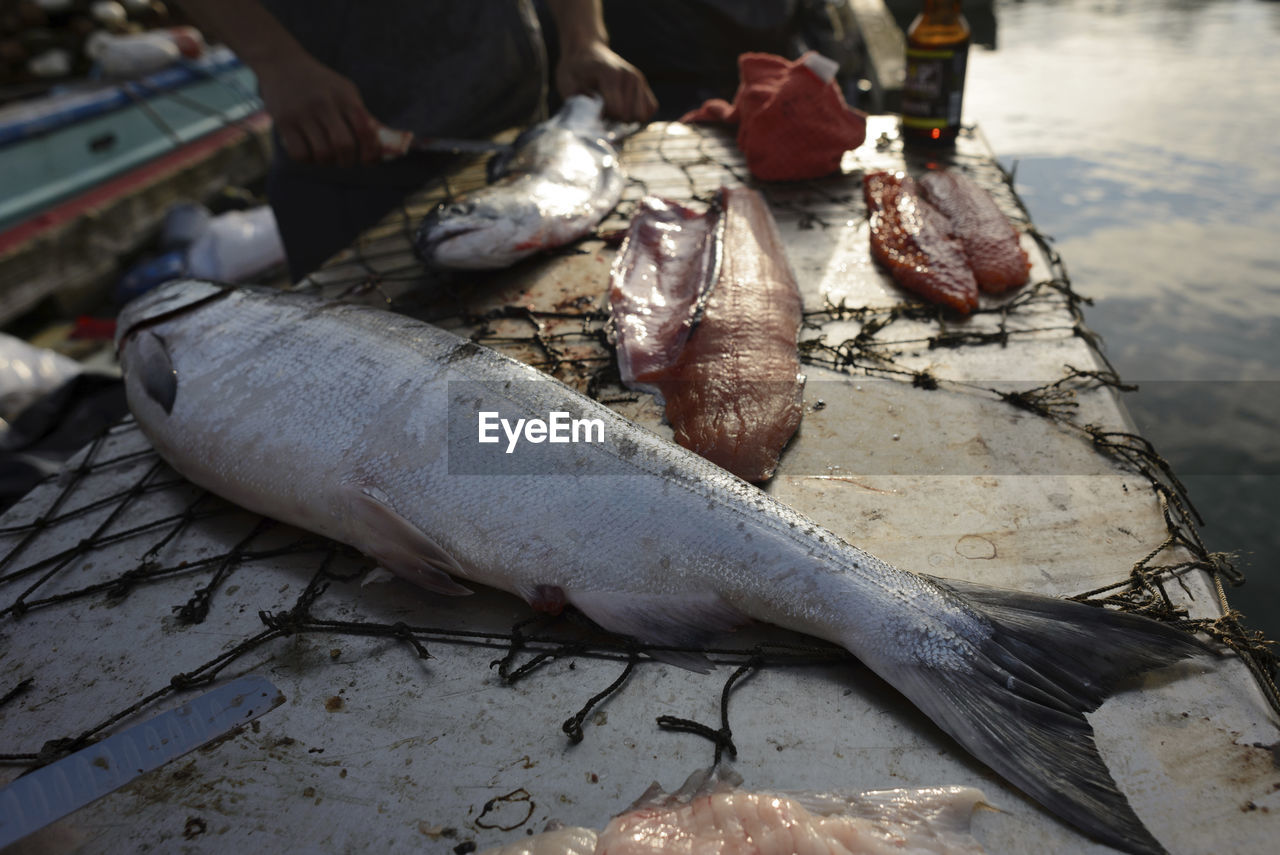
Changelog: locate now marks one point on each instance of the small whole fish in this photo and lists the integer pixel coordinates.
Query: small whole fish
(360, 425)
(556, 184)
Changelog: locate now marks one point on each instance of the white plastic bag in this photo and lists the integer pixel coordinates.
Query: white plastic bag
(133, 55)
(184, 223)
(237, 246)
(27, 372)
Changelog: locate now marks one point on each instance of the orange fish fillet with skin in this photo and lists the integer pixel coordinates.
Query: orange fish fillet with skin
(990, 242)
(914, 241)
(733, 390)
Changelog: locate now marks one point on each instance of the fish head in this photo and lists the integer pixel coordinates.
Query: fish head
(169, 300)
(145, 331)
(486, 233)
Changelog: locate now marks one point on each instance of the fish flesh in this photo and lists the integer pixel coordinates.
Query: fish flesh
(734, 393)
(737, 822)
(915, 242)
(360, 424)
(564, 840)
(712, 815)
(666, 263)
(990, 242)
(707, 312)
(943, 237)
(561, 178)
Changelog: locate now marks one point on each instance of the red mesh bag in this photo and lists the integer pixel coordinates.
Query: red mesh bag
(792, 123)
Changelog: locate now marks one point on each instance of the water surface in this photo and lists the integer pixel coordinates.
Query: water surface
(1143, 135)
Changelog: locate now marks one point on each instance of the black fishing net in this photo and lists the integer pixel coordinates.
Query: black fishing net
(118, 525)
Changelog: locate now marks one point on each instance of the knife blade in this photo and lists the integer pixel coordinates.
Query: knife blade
(53, 791)
(453, 145)
(396, 143)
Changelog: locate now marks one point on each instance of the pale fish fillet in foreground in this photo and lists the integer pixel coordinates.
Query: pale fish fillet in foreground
(559, 182)
(362, 425)
(714, 816)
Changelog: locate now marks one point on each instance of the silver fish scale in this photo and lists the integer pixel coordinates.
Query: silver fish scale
(300, 412)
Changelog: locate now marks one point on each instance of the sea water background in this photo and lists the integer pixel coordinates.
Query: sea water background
(1145, 139)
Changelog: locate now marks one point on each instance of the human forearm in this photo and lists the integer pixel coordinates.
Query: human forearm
(579, 23)
(588, 64)
(319, 114)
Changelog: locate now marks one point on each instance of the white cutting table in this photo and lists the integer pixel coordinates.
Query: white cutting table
(378, 749)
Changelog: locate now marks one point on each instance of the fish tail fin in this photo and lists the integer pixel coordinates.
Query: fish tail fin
(1021, 707)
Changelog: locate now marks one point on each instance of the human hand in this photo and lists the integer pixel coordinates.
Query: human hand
(318, 114)
(596, 68)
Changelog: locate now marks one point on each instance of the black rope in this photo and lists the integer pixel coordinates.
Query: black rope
(573, 725)
(721, 737)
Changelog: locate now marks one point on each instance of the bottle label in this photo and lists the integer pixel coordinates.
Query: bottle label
(934, 87)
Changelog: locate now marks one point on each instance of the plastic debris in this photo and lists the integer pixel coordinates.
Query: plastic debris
(133, 55)
(27, 372)
(236, 246)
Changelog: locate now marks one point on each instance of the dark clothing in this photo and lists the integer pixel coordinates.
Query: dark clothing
(320, 213)
(434, 67)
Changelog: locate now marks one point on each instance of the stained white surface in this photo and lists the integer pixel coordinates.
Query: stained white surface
(378, 749)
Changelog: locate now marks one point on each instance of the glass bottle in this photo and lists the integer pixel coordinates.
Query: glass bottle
(937, 53)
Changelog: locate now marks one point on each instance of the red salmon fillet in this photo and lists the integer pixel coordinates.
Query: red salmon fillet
(914, 242)
(733, 394)
(732, 386)
(990, 241)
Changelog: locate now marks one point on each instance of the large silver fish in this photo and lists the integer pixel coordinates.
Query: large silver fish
(559, 181)
(364, 426)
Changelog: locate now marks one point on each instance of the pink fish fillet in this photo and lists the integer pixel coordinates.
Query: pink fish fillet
(990, 242)
(711, 815)
(745, 823)
(733, 387)
(666, 264)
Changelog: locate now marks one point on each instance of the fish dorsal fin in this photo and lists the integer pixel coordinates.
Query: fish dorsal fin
(400, 546)
(665, 619)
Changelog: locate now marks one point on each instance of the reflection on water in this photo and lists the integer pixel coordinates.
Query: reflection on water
(1144, 138)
